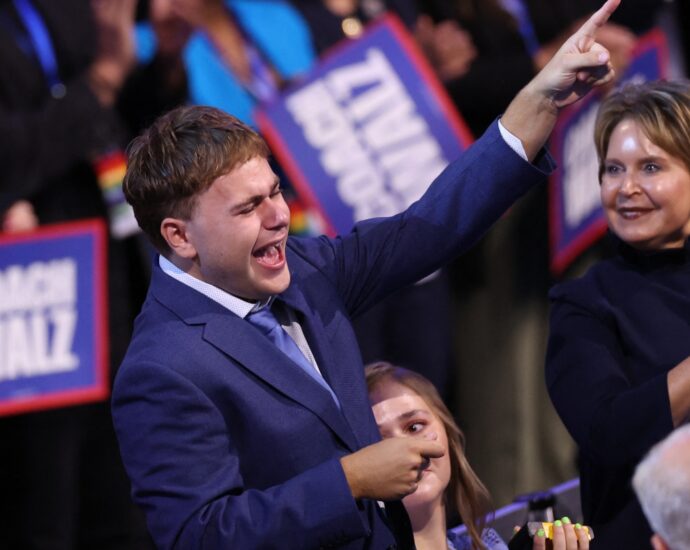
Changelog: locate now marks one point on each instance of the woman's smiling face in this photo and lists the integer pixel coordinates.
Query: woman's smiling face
(645, 191)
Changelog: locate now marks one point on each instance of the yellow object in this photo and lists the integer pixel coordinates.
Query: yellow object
(548, 530)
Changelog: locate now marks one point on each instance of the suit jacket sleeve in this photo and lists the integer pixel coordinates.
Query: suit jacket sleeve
(382, 255)
(208, 504)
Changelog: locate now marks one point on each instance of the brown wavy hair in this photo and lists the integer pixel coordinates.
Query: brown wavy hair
(661, 109)
(465, 495)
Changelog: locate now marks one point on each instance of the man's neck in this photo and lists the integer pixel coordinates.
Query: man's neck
(237, 305)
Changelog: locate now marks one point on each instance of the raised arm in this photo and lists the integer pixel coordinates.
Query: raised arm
(577, 67)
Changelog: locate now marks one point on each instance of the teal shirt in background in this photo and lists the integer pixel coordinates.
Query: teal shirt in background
(275, 28)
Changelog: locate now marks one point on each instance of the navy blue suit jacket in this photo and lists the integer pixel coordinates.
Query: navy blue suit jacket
(230, 445)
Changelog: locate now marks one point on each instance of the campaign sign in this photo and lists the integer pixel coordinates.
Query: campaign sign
(576, 217)
(53, 343)
(367, 131)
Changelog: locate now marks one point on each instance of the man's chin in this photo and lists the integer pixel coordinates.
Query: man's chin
(276, 284)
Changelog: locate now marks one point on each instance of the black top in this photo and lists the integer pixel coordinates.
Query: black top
(615, 334)
(46, 143)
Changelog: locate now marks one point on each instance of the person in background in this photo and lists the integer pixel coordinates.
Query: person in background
(405, 404)
(662, 485)
(618, 361)
(241, 52)
(71, 94)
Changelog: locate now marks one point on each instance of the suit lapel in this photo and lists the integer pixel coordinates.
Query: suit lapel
(255, 352)
(246, 345)
(354, 403)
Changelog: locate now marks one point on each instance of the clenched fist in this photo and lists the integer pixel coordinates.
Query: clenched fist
(389, 469)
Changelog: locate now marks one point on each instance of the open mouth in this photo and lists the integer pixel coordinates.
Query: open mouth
(271, 256)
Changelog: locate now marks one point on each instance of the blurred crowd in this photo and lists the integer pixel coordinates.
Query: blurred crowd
(80, 78)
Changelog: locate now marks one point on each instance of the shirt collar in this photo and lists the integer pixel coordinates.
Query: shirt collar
(238, 306)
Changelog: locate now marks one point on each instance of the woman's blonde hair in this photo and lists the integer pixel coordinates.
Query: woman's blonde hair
(465, 495)
(660, 108)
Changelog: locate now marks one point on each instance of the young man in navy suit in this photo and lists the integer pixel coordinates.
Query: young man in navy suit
(239, 432)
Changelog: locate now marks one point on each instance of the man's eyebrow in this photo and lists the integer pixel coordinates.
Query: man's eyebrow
(255, 199)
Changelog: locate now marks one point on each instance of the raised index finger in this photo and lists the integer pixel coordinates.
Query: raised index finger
(598, 19)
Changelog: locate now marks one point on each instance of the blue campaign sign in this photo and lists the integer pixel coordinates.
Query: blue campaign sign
(575, 214)
(366, 132)
(53, 327)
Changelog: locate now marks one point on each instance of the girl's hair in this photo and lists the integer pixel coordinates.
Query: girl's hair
(465, 495)
(660, 108)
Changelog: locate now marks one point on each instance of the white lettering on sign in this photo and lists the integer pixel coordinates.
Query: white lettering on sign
(370, 137)
(38, 318)
(581, 170)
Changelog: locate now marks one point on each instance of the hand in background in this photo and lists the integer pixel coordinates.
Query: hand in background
(19, 217)
(567, 536)
(448, 47)
(197, 13)
(115, 57)
(213, 19)
(172, 24)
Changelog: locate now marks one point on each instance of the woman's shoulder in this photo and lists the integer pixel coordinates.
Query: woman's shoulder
(598, 281)
(462, 541)
(624, 270)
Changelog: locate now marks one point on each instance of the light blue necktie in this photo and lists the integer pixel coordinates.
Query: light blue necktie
(266, 322)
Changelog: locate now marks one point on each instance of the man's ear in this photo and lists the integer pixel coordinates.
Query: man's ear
(174, 232)
(658, 543)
